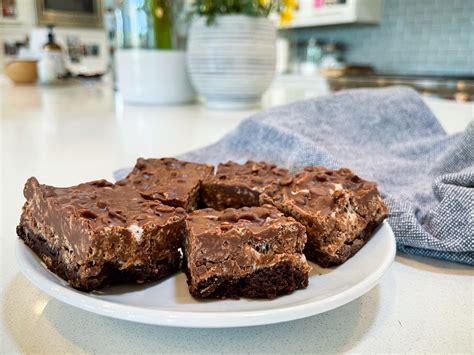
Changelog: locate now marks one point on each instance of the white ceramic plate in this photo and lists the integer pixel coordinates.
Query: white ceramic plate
(169, 303)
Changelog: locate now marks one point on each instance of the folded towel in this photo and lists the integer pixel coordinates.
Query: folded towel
(387, 135)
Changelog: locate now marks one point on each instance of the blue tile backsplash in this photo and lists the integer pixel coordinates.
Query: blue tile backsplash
(413, 37)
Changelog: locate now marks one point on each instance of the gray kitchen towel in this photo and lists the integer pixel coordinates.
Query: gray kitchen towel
(388, 135)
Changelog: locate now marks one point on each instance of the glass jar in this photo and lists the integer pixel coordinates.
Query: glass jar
(157, 24)
(314, 53)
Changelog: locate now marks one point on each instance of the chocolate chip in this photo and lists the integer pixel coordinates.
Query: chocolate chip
(164, 208)
(300, 200)
(302, 179)
(280, 171)
(225, 226)
(87, 214)
(345, 171)
(141, 164)
(102, 183)
(179, 210)
(116, 215)
(285, 181)
(355, 178)
(229, 216)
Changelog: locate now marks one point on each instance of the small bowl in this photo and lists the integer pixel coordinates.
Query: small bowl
(22, 71)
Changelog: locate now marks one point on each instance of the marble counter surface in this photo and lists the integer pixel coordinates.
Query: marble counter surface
(80, 131)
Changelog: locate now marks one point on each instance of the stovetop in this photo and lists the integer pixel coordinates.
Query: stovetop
(458, 88)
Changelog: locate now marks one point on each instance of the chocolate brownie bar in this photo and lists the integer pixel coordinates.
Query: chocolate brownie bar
(96, 233)
(249, 252)
(238, 185)
(175, 183)
(339, 210)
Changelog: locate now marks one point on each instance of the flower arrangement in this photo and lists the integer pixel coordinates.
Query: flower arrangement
(213, 8)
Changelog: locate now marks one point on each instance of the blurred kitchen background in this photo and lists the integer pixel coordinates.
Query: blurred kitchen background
(328, 45)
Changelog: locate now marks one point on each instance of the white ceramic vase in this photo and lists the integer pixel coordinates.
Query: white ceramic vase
(153, 77)
(232, 61)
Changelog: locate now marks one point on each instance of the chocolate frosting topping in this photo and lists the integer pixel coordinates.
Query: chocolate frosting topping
(168, 180)
(318, 189)
(257, 175)
(103, 204)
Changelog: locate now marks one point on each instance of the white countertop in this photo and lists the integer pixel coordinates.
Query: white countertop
(73, 133)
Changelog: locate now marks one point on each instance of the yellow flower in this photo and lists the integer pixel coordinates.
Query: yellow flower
(263, 3)
(286, 15)
(292, 4)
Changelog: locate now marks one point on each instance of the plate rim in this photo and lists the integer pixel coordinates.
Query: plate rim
(196, 319)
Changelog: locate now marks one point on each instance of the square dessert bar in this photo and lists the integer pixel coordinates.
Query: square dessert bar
(96, 233)
(339, 210)
(173, 182)
(248, 252)
(237, 185)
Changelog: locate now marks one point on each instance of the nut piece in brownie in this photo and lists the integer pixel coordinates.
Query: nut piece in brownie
(237, 185)
(174, 182)
(339, 210)
(95, 233)
(249, 252)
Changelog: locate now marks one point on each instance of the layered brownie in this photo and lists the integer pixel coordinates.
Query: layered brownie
(173, 182)
(339, 210)
(248, 252)
(237, 185)
(96, 233)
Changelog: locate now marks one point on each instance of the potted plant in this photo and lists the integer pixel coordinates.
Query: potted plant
(231, 49)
